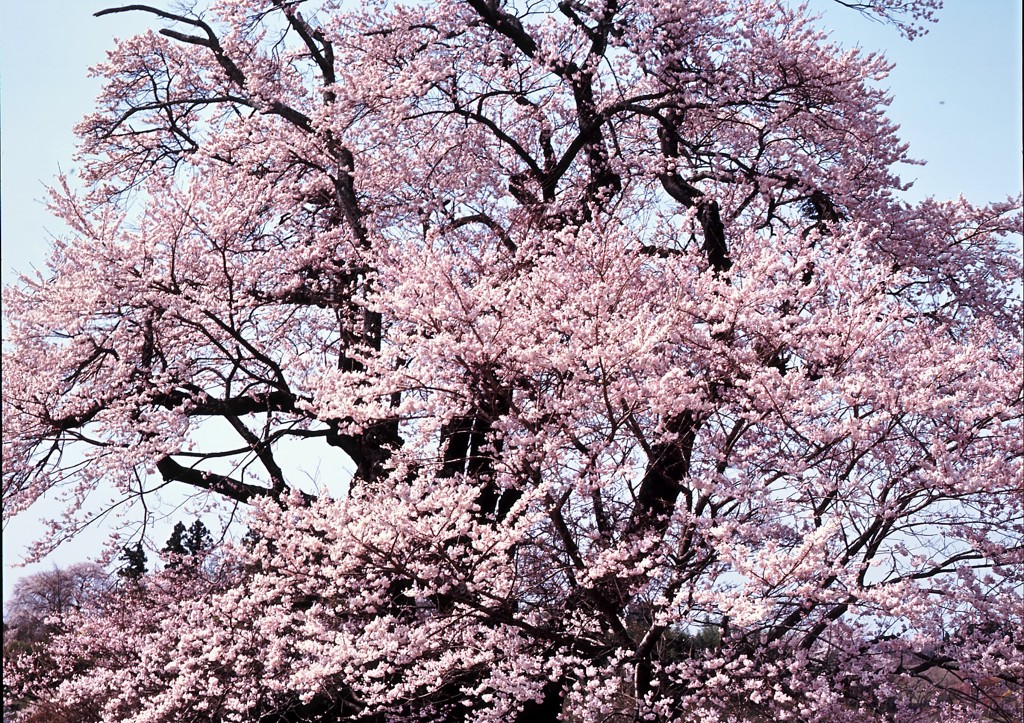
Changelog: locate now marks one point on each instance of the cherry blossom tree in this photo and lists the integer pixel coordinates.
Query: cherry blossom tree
(656, 401)
(50, 595)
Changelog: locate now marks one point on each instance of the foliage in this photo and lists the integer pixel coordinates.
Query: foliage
(655, 400)
(135, 562)
(187, 543)
(36, 612)
(40, 601)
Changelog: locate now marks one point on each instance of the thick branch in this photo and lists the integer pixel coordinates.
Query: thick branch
(668, 466)
(200, 404)
(231, 488)
(708, 211)
(233, 72)
(322, 54)
(506, 24)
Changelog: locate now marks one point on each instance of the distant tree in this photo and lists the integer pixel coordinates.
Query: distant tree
(134, 560)
(41, 600)
(184, 543)
(651, 399)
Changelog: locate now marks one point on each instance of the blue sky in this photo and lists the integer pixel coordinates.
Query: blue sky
(957, 96)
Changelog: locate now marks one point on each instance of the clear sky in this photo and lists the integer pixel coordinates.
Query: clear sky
(957, 96)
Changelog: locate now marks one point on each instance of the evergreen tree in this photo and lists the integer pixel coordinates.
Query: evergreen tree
(134, 558)
(198, 539)
(175, 547)
(187, 542)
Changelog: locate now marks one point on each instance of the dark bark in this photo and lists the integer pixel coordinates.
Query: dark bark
(709, 215)
(229, 487)
(547, 709)
(506, 24)
(370, 449)
(714, 236)
(667, 466)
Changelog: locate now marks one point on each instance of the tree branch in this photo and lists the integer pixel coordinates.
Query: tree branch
(231, 488)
